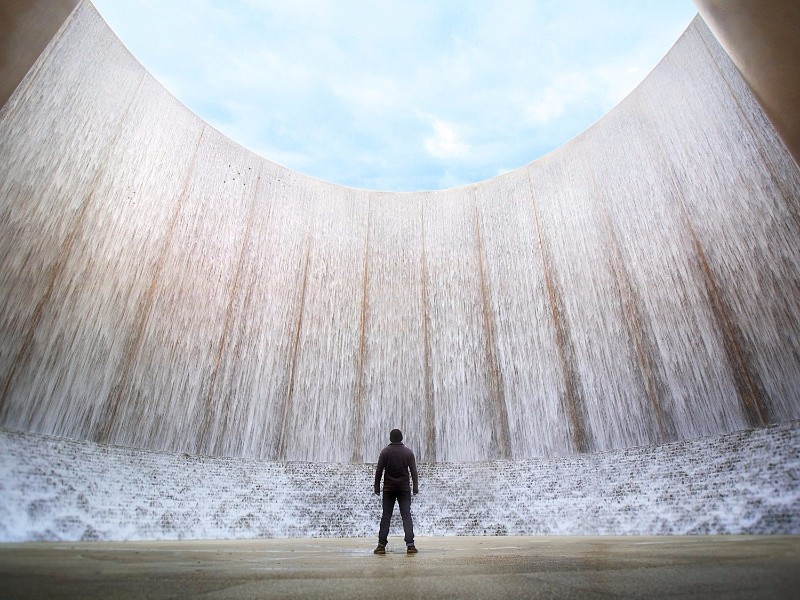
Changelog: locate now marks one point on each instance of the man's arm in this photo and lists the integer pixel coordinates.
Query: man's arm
(412, 466)
(379, 472)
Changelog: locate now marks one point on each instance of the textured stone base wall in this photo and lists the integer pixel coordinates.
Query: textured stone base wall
(57, 489)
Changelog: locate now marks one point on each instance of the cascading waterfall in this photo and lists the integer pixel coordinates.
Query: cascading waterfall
(162, 287)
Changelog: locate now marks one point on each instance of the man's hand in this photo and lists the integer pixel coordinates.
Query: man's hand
(416, 491)
(377, 490)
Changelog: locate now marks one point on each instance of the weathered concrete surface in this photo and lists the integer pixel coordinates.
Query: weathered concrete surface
(454, 567)
(761, 39)
(26, 27)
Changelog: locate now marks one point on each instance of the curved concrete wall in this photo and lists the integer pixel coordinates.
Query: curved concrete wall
(164, 288)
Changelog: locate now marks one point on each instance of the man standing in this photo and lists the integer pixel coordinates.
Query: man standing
(395, 463)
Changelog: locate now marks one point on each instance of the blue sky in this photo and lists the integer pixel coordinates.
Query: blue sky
(406, 95)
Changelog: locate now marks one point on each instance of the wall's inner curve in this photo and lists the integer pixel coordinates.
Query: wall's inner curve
(164, 288)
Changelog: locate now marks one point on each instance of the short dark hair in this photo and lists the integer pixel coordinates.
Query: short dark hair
(395, 435)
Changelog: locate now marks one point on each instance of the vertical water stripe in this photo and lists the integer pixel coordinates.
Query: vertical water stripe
(497, 392)
(746, 385)
(108, 419)
(280, 449)
(637, 332)
(573, 399)
(430, 406)
(207, 442)
(358, 405)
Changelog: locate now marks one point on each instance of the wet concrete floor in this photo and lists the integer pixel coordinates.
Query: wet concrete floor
(446, 567)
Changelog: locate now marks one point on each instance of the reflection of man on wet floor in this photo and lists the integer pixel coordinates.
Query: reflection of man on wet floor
(395, 463)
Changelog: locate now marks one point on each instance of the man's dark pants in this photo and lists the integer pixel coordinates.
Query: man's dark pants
(404, 500)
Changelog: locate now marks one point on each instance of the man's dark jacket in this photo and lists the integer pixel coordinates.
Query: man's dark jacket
(397, 461)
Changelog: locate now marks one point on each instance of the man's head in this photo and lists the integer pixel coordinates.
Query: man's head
(395, 435)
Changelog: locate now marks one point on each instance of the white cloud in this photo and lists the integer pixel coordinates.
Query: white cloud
(446, 141)
(450, 179)
(370, 94)
(556, 99)
(550, 106)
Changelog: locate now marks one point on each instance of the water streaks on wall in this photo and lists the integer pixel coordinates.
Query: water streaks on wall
(163, 288)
